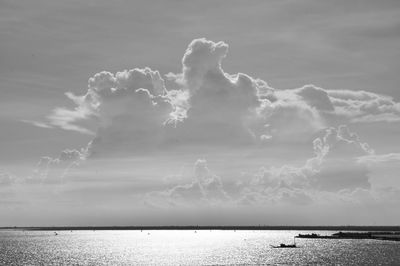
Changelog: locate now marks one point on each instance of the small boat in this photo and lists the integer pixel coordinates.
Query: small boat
(286, 245)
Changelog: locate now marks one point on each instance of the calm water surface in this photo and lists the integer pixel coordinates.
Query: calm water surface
(188, 248)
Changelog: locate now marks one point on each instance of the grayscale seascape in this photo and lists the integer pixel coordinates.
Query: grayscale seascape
(199, 132)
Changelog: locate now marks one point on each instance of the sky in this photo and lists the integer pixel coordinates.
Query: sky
(199, 112)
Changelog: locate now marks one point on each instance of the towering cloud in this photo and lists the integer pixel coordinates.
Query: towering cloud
(220, 108)
(133, 110)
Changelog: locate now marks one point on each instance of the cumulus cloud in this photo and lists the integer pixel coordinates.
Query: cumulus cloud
(348, 105)
(53, 170)
(315, 97)
(131, 130)
(289, 119)
(130, 109)
(219, 107)
(296, 114)
(336, 160)
(312, 108)
(205, 187)
(335, 167)
(133, 110)
(363, 106)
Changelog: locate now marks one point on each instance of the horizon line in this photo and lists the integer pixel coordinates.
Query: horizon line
(209, 227)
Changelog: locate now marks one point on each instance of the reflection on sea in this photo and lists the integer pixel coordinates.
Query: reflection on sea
(188, 248)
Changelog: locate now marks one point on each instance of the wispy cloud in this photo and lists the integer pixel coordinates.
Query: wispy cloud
(37, 123)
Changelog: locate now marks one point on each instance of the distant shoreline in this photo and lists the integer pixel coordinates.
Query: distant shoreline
(190, 227)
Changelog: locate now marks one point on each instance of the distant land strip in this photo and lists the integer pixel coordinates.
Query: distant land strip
(198, 227)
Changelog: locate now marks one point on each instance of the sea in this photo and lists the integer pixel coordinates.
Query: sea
(188, 247)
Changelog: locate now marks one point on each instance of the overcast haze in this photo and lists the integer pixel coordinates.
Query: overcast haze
(199, 112)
